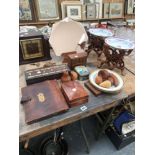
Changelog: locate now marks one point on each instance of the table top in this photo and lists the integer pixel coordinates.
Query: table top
(119, 43)
(94, 105)
(101, 32)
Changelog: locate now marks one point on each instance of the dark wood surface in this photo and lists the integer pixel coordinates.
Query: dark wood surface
(46, 100)
(94, 105)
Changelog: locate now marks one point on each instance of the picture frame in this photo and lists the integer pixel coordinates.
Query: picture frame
(130, 7)
(97, 10)
(74, 11)
(47, 10)
(91, 11)
(26, 13)
(116, 10)
(87, 1)
(99, 5)
(106, 10)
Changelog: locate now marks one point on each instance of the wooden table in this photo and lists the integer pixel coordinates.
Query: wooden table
(95, 104)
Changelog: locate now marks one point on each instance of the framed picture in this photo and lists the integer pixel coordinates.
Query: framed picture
(47, 10)
(97, 10)
(116, 10)
(74, 11)
(25, 11)
(99, 4)
(106, 10)
(91, 11)
(87, 1)
(130, 7)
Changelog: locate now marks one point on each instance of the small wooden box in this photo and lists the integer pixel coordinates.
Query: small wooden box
(74, 93)
(78, 59)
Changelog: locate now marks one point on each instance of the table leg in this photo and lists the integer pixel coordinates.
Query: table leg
(84, 136)
(104, 124)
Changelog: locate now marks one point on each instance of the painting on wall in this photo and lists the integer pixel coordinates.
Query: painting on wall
(130, 7)
(116, 10)
(91, 11)
(47, 10)
(106, 10)
(74, 11)
(25, 10)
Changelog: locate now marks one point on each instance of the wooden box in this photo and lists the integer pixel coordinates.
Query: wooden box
(78, 59)
(42, 100)
(33, 47)
(41, 74)
(74, 93)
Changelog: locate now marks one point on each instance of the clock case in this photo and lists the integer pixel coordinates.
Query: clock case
(29, 36)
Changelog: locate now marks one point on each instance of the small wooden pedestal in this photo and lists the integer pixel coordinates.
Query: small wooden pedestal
(114, 57)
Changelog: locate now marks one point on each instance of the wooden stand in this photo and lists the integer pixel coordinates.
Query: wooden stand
(114, 57)
(95, 43)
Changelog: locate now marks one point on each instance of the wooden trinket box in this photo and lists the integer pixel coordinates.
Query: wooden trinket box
(74, 93)
(42, 100)
(77, 59)
(48, 73)
(33, 47)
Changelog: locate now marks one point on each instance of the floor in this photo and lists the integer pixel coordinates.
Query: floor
(102, 146)
(76, 144)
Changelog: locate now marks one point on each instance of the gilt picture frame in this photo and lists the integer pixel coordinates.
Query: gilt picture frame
(116, 10)
(47, 10)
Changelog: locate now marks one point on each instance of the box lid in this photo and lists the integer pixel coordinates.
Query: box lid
(46, 100)
(74, 91)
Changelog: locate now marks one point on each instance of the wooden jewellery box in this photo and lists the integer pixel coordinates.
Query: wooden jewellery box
(77, 59)
(74, 93)
(48, 73)
(42, 100)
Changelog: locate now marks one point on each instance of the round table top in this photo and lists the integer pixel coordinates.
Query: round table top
(120, 43)
(101, 32)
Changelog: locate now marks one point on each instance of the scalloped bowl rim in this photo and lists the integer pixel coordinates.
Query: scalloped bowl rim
(93, 75)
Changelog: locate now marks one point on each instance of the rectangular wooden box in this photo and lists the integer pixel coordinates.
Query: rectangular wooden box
(33, 47)
(78, 59)
(45, 100)
(74, 93)
(41, 74)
